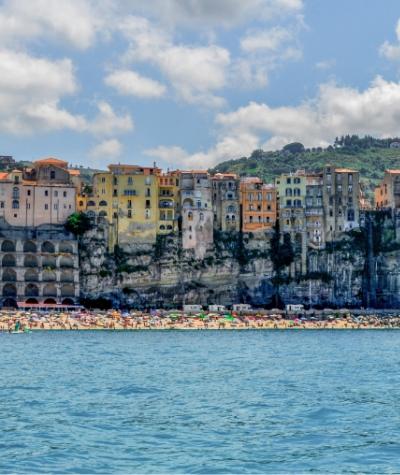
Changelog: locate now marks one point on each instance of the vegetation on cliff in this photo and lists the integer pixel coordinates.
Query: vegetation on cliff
(368, 155)
(78, 224)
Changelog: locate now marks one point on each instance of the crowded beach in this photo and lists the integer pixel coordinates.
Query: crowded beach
(26, 321)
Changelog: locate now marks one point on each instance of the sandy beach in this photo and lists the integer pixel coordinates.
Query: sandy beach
(19, 321)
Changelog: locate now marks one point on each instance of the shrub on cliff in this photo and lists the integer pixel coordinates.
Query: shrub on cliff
(78, 223)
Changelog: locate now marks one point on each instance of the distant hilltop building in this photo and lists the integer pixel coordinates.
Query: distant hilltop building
(6, 161)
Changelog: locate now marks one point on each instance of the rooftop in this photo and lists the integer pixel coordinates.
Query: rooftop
(52, 161)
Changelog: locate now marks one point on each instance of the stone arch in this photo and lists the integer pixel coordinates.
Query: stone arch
(66, 247)
(66, 261)
(30, 261)
(67, 290)
(8, 260)
(31, 275)
(103, 214)
(10, 303)
(103, 203)
(30, 246)
(9, 275)
(187, 203)
(8, 246)
(68, 301)
(67, 275)
(48, 246)
(48, 275)
(49, 262)
(32, 300)
(91, 214)
(91, 203)
(50, 301)
(50, 290)
(31, 290)
(9, 290)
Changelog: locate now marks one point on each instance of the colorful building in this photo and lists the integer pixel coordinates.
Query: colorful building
(258, 204)
(341, 193)
(196, 211)
(168, 201)
(43, 194)
(387, 194)
(226, 201)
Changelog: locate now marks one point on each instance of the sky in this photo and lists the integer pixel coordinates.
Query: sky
(191, 83)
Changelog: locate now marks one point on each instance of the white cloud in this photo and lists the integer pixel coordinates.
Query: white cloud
(392, 51)
(74, 21)
(325, 64)
(108, 122)
(213, 13)
(108, 149)
(267, 40)
(195, 72)
(31, 90)
(334, 111)
(131, 83)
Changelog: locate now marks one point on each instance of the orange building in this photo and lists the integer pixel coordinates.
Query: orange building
(258, 204)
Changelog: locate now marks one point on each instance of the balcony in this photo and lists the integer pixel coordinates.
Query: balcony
(166, 204)
(166, 194)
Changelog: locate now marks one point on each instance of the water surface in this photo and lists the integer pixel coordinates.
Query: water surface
(200, 402)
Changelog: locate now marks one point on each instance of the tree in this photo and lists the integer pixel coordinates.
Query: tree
(78, 223)
(295, 147)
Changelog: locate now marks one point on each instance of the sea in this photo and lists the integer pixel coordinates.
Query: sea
(210, 402)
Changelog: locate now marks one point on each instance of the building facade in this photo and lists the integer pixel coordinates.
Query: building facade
(38, 266)
(258, 204)
(196, 211)
(44, 194)
(168, 202)
(226, 201)
(387, 194)
(314, 210)
(341, 192)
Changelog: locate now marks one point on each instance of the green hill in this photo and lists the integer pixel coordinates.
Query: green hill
(368, 155)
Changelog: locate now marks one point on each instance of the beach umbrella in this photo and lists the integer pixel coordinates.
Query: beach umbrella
(229, 317)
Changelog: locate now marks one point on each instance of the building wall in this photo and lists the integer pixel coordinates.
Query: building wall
(292, 194)
(258, 205)
(226, 202)
(196, 211)
(387, 194)
(341, 201)
(38, 265)
(168, 202)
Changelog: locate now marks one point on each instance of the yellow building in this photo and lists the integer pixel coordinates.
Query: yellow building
(127, 197)
(168, 203)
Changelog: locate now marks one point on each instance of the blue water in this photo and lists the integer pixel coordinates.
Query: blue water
(200, 402)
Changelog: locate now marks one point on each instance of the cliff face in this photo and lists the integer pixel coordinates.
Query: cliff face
(362, 269)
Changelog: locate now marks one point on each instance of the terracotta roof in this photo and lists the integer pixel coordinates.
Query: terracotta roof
(345, 170)
(74, 172)
(3, 175)
(52, 161)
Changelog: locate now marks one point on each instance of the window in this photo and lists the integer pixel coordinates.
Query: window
(115, 192)
(190, 216)
(296, 181)
(55, 206)
(201, 217)
(103, 179)
(199, 204)
(16, 179)
(148, 192)
(130, 180)
(16, 193)
(288, 181)
(28, 192)
(350, 215)
(148, 204)
(52, 174)
(288, 202)
(1, 204)
(129, 204)
(269, 196)
(46, 206)
(288, 192)
(64, 194)
(147, 214)
(81, 203)
(15, 204)
(115, 180)
(46, 192)
(129, 213)
(56, 194)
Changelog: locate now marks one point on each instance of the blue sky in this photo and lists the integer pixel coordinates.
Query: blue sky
(190, 83)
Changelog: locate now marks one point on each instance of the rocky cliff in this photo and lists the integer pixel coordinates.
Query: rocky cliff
(362, 269)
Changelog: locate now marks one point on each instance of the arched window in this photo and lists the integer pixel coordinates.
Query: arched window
(15, 193)
(66, 262)
(103, 203)
(296, 192)
(66, 247)
(231, 209)
(9, 275)
(8, 246)
(91, 203)
(9, 290)
(103, 214)
(47, 246)
(31, 275)
(49, 290)
(288, 192)
(8, 260)
(81, 203)
(15, 204)
(29, 246)
(31, 290)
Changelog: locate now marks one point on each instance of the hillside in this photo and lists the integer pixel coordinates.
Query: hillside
(371, 161)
